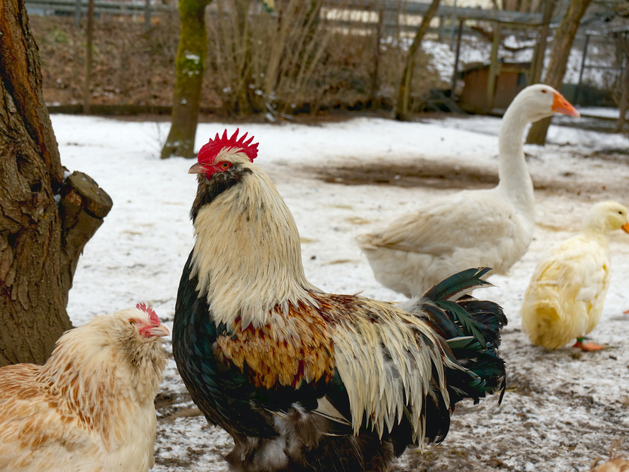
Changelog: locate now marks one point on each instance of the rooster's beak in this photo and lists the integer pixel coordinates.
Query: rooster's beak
(196, 169)
(160, 330)
(625, 227)
(563, 106)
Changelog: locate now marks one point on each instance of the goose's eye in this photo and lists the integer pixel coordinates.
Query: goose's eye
(544, 91)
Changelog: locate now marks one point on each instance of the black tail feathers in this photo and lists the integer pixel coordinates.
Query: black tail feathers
(471, 328)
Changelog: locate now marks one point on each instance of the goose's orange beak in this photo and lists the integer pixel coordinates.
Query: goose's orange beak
(625, 227)
(563, 106)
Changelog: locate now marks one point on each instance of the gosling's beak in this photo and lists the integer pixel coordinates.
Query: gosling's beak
(563, 106)
(196, 169)
(625, 227)
(158, 331)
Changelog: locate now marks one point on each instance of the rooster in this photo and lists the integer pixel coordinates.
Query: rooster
(304, 380)
(90, 406)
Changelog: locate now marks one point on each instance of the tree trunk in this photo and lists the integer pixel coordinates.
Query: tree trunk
(564, 36)
(45, 220)
(245, 86)
(88, 58)
(404, 92)
(376, 59)
(190, 65)
(540, 50)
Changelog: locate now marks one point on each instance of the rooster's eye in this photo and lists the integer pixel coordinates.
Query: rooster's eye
(132, 322)
(224, 165)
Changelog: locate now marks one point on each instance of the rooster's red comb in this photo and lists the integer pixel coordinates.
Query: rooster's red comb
(152, 315)
(209, 151)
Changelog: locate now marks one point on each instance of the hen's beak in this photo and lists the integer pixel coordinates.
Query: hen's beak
(563, 106)
(160, 330)
(625, 227)
(196, 169)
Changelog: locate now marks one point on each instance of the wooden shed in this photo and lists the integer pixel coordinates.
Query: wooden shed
(511, 77)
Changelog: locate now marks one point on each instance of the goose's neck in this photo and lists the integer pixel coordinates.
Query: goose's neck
(515, 181)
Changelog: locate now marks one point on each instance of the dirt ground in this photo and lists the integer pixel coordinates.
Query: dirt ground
(444, 175)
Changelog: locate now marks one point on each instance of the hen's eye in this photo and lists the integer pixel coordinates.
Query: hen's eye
(132, 322)
(224, 165)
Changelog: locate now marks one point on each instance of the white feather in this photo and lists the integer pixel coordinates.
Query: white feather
(476, 228)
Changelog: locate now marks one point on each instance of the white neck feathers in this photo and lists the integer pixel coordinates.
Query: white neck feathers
(247, 253)
(515, 181)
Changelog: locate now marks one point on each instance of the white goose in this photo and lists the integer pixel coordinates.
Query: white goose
(472, 228)
(565, 297)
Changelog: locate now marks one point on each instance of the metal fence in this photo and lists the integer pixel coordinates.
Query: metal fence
(389, 8)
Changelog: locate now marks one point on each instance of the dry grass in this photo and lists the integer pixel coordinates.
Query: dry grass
(293, 60)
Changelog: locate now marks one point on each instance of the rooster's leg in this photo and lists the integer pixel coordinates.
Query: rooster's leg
(587, 346)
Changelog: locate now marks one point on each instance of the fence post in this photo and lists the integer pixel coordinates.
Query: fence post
(147, 14)
(456, 57)
(77, 13)
(622, 106)
(585, 53)
(493, 67)
(453, 23)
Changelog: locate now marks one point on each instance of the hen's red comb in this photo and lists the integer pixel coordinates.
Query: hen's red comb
(152, 315)
(209, 151)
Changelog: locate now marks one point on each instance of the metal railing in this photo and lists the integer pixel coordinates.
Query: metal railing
(100, 6)
(406, 8)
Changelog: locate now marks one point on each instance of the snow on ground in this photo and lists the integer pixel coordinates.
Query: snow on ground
(562, 408)
(604, 112)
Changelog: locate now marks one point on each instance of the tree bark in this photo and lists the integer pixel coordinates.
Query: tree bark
(404, 92)
(88, 57)
(45, 220)
(376, 58)
(190, 66)
(564, 37)
(540, 50)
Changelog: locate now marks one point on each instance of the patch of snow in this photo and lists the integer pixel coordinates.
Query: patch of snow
(563, 408)
(604, 112)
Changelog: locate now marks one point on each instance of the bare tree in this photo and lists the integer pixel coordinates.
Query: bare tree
(88, 57)
(45, 219)
(564, 37)
(404, 92)
(190, 66)
(540, 50)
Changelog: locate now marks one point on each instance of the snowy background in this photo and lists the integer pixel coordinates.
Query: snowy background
(562, 409)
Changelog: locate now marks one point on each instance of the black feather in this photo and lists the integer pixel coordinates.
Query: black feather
(472, 330)
(465, 280)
